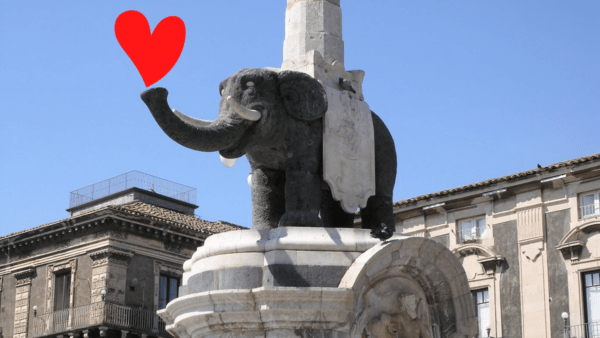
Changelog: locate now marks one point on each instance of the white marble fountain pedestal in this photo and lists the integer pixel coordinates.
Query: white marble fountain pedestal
(321, 282)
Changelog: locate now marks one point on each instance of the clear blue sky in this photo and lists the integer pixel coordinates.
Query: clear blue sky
(470, 90)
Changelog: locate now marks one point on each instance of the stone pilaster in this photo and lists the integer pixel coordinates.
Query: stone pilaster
(109, 272)
(531, 234)
(23, 292)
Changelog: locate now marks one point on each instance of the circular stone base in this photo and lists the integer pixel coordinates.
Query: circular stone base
(321, 282)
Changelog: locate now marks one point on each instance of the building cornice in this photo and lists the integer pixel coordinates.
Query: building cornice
(550, 176)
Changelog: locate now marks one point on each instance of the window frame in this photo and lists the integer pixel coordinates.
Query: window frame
(479, 235)
(474, 293)
(169, 278)
(52, 272)
(66, 296)
(596, 204)
(584, 288)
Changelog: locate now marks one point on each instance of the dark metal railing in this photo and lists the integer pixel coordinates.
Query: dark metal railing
(588, 330)
(98, 314)
(133, 179)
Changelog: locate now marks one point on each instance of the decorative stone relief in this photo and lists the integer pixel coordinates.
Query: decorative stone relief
(396, 309)
(348, 149)
(530, 224)
(111, 233)
(172, 247)
(61, 245)
(23, 291)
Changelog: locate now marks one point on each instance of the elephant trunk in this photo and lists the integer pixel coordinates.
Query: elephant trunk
(190, 132)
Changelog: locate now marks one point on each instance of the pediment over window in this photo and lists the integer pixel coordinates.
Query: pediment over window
(578, 232)
(487, 257)
(572, 244)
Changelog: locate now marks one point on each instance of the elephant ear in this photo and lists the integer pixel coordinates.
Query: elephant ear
(303, 96)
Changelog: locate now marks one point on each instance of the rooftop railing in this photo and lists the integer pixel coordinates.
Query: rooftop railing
(99, 314)
(133, 179)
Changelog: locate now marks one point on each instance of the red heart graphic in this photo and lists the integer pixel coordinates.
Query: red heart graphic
(153, 54)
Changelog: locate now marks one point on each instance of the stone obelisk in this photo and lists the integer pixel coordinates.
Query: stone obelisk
(313, 45)
(299, 282)
(313, 25)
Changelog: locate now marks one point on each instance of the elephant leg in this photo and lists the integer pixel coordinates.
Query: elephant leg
(302, 178)
(379, 210)
(268, 201)
(332, 214)
(302, 200)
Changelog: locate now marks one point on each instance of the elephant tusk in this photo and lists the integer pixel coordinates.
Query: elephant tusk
(248, 114)
(228, 162)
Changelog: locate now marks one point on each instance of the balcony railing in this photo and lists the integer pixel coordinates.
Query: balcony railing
(588, 211)
(589, 330)
(99, 314)
(471, 234)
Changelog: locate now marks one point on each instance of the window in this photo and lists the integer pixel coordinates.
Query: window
(167, 290)
(481, 300)
(591, 291)
(471, 229)
(62, 290)
(589, 204)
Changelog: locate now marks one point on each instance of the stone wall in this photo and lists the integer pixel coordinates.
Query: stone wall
(557, 225)
(510, 282)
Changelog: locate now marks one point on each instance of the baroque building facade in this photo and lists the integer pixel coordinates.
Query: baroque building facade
(529, 243)
(105, 270)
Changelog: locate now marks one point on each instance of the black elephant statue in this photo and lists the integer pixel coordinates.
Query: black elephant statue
(275, 119)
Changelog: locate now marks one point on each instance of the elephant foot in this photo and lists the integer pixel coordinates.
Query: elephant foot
(300, 219)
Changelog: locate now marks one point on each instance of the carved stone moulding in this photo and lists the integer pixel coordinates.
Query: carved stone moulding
(571, 250)
(24, 276)
(235, 313)
(405, 287)
(110, 255)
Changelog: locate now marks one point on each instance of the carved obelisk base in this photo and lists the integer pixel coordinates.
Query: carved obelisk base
(321, 282)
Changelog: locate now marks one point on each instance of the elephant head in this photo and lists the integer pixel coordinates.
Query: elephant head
(254, 105)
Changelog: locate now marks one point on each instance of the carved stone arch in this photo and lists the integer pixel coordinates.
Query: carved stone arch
(579, 231)
(571, 244)
(411, 283)
(473, 248)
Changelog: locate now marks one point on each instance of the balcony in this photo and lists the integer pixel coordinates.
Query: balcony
(114, 316)
(589, 330)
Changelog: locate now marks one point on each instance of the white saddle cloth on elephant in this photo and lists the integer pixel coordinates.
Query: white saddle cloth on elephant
(348, 149)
